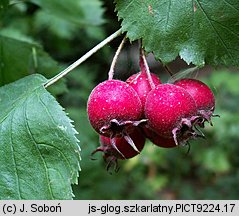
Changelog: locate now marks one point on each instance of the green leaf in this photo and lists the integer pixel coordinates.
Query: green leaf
(83, 12)
(200, 31)
(22, 57)
(38, 148)
(19, 58)
(17, 34)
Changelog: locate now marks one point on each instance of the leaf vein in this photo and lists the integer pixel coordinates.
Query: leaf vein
(1, 63)
(34, 141)
(228, 3)
(193, 19)
(13, 156)
(167, 18)
(126, 8)
(215, 30)
(50, 115)
(54, 147)
(224, 26)
(16, 103)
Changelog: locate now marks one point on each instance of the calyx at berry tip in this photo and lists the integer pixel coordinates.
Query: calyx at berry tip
(122, 128)
(108, 157)
(187, 130)
(206, 116)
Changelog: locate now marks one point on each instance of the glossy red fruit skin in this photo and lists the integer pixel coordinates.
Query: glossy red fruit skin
(123, 146)
(113, 99)
(200, 92)
(159, 140)
(141, 84)
(167, 106)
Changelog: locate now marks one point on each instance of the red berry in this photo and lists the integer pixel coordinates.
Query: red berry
(202, 95)
(159, 140)
(171, 112)
(112, 107)
(141, 84)
(124, 150)
(119, 148)
(200, 92)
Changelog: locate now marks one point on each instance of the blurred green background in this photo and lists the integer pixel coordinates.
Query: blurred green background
(68, 29)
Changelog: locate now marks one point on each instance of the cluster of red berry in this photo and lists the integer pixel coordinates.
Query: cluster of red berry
(126, 113)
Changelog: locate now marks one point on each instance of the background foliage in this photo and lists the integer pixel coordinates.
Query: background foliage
(39, 36)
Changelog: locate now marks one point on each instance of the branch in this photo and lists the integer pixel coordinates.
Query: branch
(83, 58)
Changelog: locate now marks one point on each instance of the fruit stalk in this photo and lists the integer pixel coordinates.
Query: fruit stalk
(168, 70)
(82, 59)
(145, 67)
(112, 67)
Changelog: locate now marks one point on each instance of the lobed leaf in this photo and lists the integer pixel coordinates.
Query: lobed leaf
(39, 151)
(200, 31)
